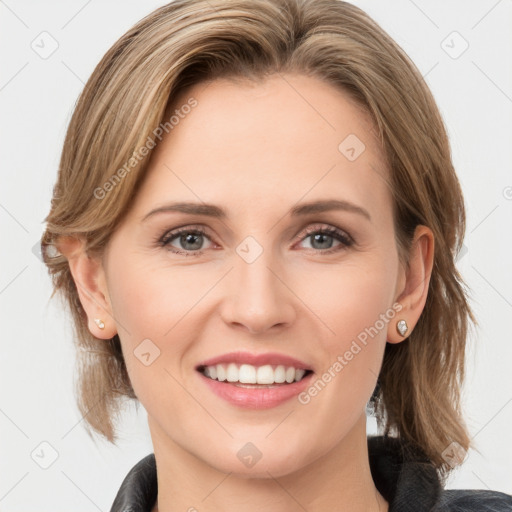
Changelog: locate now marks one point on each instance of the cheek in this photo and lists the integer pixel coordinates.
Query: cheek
(350, 300)
(149, 305)
(149, 299)
(353, 304)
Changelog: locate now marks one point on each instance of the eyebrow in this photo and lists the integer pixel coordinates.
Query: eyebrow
(211, 210)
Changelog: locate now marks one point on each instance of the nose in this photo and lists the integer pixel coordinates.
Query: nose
(259, 296)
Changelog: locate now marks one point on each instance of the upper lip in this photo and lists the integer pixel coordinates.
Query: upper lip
(273, 358)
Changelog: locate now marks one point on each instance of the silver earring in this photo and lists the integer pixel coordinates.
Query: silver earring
(99, 323)
(402, 327)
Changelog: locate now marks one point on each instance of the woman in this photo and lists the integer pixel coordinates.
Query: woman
(250, 227)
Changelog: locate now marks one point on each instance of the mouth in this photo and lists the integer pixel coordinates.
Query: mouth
(250, 376)
(247, 380)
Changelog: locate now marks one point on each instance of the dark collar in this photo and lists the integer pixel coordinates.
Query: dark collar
(404, 476)
(401, 479)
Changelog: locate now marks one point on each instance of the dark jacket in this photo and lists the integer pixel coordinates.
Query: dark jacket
(408, 484)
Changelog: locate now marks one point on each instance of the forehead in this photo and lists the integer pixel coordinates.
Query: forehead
(284, 138)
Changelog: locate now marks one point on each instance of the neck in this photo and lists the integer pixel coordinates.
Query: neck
(338, 480)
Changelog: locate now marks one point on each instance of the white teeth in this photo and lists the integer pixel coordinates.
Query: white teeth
(290, 374)
(280, 374)
(232, 373)
(265, 375)
(212, 372)
(221, 372)
(249, 374)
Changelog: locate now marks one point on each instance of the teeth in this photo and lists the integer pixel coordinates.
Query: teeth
(248, 374)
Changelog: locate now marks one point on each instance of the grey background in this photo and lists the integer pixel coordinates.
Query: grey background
(37, 93)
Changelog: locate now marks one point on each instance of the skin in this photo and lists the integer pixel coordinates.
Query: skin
(257, 151)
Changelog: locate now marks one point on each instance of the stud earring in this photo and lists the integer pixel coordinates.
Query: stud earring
(402, 327)
(99, 323)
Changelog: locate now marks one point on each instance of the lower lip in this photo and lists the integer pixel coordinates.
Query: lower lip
(256, 398)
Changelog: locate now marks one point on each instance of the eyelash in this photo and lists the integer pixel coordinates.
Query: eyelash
(169, 236)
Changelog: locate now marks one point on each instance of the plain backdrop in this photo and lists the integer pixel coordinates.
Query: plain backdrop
(463, 48)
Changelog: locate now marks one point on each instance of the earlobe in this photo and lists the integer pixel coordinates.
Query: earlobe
(89, 277)
(415, 290)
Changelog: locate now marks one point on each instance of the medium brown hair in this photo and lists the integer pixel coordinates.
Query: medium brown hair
(186, 42)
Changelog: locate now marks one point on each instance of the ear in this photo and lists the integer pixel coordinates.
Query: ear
(90, 280)
(414, 283)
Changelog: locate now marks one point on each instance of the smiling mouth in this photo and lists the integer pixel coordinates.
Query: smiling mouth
(246, 375)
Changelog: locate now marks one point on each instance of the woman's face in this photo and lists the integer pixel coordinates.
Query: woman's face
(258, 278)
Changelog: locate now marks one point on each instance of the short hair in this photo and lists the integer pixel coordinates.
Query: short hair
(188, 42)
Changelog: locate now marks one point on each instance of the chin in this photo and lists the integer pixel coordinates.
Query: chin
(263, 469)
(248, 460)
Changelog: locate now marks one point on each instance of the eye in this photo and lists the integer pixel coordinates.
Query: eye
(322, 238)
(189, 240)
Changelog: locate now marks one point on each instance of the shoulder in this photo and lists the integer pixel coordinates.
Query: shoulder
(474, 500)
(138, 491)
